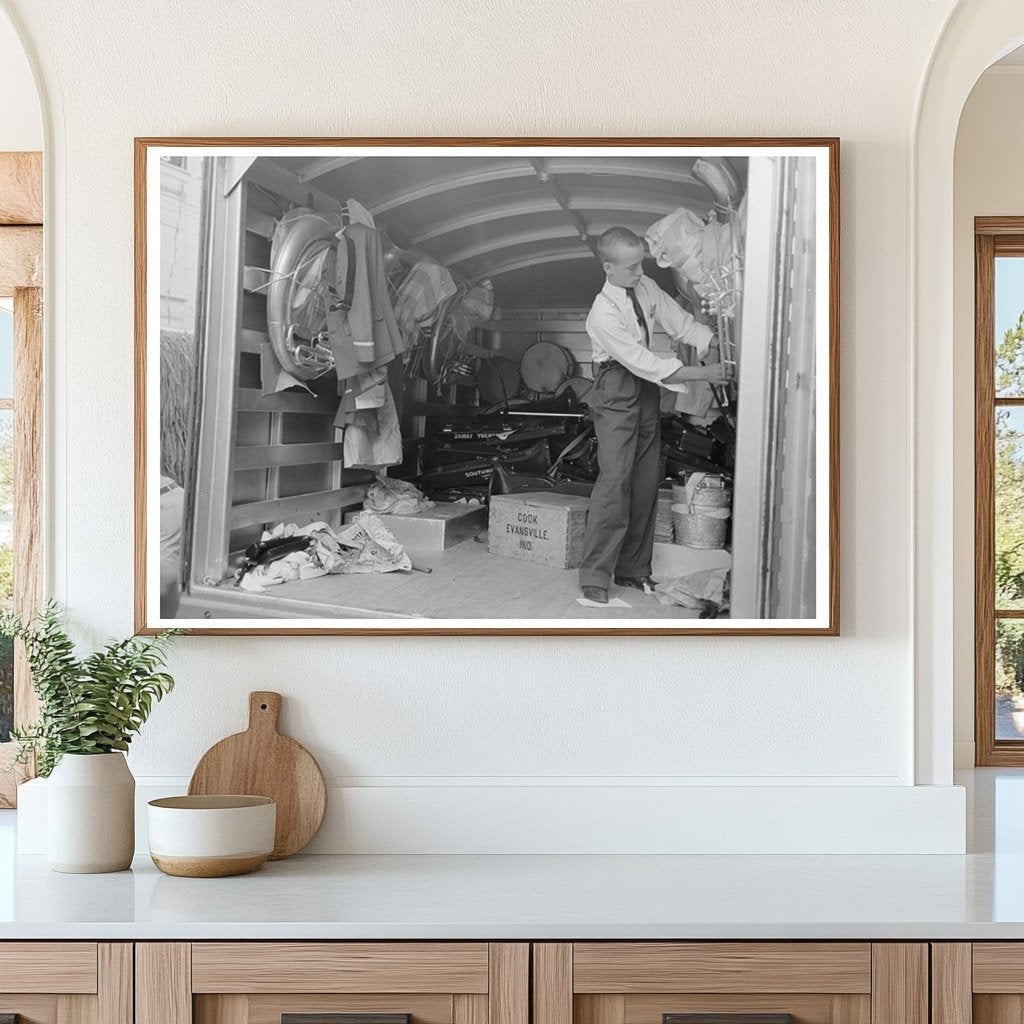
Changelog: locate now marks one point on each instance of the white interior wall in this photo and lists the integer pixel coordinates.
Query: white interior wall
(987, 182)
(21, 127)
(445, 716)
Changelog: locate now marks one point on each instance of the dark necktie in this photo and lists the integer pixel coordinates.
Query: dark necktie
(641, 319)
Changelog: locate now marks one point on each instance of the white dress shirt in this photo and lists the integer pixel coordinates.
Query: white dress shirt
(615, 333)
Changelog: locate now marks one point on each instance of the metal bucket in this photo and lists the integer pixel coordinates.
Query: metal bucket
(712, 492)
(706, 529)
(712, 497)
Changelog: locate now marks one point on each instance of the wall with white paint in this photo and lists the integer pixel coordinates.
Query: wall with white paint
(406, 725)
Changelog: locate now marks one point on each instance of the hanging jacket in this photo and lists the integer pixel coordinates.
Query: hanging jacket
(360, 321)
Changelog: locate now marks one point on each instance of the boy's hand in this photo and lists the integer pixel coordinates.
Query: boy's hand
(716, 373)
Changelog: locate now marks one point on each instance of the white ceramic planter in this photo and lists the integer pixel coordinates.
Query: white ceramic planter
(90, 814)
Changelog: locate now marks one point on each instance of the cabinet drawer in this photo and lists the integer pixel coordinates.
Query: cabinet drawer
(340, 967)
(66, 967)
(332, 983)
(749, 967)
(66, 982)
(730, 983)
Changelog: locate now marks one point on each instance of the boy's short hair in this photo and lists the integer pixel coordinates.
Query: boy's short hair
(614, 240)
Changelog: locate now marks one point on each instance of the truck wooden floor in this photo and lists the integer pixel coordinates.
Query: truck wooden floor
(467, 582)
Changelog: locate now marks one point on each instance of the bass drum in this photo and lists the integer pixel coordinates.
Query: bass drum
(545, 367)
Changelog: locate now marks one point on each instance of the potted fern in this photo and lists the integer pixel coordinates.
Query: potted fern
(90, 708)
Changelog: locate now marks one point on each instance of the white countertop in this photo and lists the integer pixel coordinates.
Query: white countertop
(977, 896)
(517, 897)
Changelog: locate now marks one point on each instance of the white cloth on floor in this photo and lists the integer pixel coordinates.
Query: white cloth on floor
(395, 497)
(365, 545)
(698, 590)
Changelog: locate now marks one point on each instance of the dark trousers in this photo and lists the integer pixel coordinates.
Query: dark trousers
(620, 525)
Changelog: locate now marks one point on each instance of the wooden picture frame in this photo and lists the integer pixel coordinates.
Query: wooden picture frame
(785, 509)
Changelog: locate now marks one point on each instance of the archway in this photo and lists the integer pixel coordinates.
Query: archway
(21, 142)
(976, 34)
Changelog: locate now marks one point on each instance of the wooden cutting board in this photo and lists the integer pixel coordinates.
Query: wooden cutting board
(262, 762)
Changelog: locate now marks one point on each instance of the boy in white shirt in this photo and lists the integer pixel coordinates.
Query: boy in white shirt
(625, 403)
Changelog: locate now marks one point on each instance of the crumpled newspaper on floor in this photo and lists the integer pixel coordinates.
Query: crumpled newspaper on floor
(703, 591)
(365, 545)
(395, 497)
(377, 549)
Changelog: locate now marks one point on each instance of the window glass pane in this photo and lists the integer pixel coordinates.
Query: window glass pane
(1009, 679)
(1009, 508)
(6, 567)
(1009, 322)
(6, 352)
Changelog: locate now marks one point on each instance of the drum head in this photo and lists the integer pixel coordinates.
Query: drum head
(546, 366)
(498, 380)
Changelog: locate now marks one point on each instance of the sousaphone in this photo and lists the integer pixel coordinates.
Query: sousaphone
(296, 296)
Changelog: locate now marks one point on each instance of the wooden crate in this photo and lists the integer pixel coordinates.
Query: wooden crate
(539, 526)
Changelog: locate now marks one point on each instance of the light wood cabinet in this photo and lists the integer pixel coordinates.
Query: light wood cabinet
(512, 983)
(978, 983)
(748, 982)
(307, 982)
(66, 982)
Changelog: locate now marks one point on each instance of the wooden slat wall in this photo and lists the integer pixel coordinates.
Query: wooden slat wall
(721, 967)
(301, 509)
(260, 456)
(66, 967)
(281, 181)
(259, 223)
(340, 967)
(252, 341)
(313, 452)
(294, 402)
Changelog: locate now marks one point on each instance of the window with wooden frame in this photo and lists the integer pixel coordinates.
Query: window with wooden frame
(21, 364)
(999, 490)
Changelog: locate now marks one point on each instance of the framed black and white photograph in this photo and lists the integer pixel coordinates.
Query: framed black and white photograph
(500, 386)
